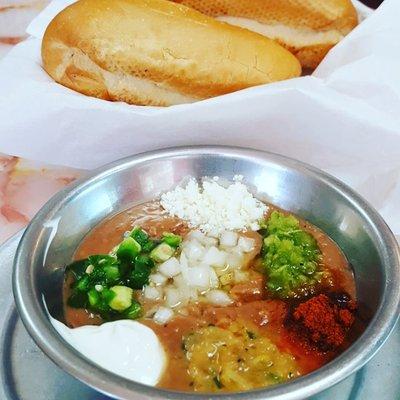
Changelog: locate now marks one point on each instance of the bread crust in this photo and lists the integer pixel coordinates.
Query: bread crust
(311, 27)
(156, 52)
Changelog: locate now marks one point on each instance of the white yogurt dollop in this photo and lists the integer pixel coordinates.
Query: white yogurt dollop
(126, 348)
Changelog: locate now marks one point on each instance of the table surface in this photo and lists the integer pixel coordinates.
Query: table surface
(23, 179)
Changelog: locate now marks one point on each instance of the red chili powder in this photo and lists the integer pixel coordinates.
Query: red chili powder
(323, 321)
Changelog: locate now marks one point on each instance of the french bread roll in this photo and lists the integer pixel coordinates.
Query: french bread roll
(156, 52)
(307, 28)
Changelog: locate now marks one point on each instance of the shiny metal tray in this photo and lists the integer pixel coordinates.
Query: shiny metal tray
(27, 374)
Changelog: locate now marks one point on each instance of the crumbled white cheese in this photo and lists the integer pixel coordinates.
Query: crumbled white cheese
(214, 208)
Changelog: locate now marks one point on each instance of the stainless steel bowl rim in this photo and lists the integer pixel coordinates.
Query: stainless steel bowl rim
(37, 323)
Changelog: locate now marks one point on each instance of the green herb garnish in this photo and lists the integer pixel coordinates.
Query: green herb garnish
(251, 335)
(217, 382)
(172, 239)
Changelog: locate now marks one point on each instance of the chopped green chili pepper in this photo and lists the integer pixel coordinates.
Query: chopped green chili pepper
(143, 260)
(122, 299)
(139, 277)
(83, 284)
(112, 273)
(172, 239)
(149, 246)
(128, 249)
(134, 311)
(105, 283)
(143, 239)
(107, 295)
(94, 297)
(162, 252)
(139, 235)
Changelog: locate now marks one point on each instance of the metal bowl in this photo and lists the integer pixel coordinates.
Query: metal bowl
(53, 235)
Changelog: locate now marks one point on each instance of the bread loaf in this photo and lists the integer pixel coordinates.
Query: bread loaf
(307, 28)
(156, 52)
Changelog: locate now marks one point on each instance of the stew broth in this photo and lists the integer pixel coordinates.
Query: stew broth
(253, 307)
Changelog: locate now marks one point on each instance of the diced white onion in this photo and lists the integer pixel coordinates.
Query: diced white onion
(183, 288)
(158, 279)
(228, 238)
(215, 257)
(214, 281)
(246, 244)
(203, 266)
(152, 293)
(179, 281)
(202, 238)
(184, 266)
(240, 276)
(163, 315)
(196, 235)
(218, 298)
(209, 241)
(234, 259)
(199, 276)
(173, 297)
(170, 268)
(193, 294)
(194, 250)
